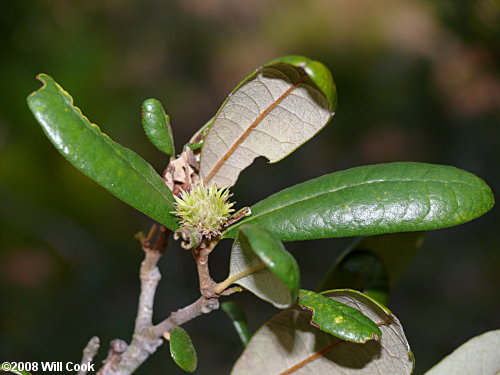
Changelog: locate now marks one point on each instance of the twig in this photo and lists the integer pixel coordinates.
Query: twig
(150, 277)
(148, 337)
(201, 254)
(89, 353)
(201, 306)
(143, 344)
(116, 348)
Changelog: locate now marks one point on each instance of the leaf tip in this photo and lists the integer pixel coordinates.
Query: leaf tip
(42, 77)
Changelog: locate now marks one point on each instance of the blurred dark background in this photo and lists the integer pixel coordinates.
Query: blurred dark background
(416, 81)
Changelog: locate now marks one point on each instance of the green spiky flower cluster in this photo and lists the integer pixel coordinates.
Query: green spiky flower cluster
(204, 208)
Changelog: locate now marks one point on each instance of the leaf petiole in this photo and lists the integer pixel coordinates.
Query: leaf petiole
(230, 280)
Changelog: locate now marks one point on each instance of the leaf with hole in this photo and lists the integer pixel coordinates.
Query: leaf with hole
(373, 199)
(239, 319)
(182, 349)
(272, 272)
(156, 125)
(289, 344)
(270, 113)
(118, 169)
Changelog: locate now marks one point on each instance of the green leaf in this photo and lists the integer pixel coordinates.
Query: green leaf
(277, 278)
(239, 319)
(478, 356)
(316, 71)
(120, 170)
(373, 199)
(182, 350)
(272, 112)
(361, 270)
(373, 264)
(338, 319)
(289, 344)
(156, 124)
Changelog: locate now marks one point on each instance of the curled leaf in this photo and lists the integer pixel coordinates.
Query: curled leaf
(271, 113)
(276, 278)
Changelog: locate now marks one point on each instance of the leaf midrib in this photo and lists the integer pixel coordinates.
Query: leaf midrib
(247, 132)
(344, 188)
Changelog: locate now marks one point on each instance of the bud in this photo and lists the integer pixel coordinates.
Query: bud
(205, 209)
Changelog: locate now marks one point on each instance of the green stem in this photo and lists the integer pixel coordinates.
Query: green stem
(230, 280)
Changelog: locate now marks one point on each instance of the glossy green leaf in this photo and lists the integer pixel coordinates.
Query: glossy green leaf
(273, 111)
(338, 319)
(182, 350)
(373, 264)
(373, 199)
(239, 319)
(289, 344)
(278, 280)
(156, 124)
(120, 170)
(478, 356)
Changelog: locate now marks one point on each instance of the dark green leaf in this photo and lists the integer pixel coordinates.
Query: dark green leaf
(120, 170)
(338, 319)
(278, 280)
(237, 315)
(156, 124)
(373, 199)
(361, 270)
(182, 350)
(373, 264)
(289, 344)
(271, 113)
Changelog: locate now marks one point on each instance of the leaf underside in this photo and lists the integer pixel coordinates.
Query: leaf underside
(118, 169)
(271, 113)
(289, 344)
(279, 282)
(373, 199)
(478, 356)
